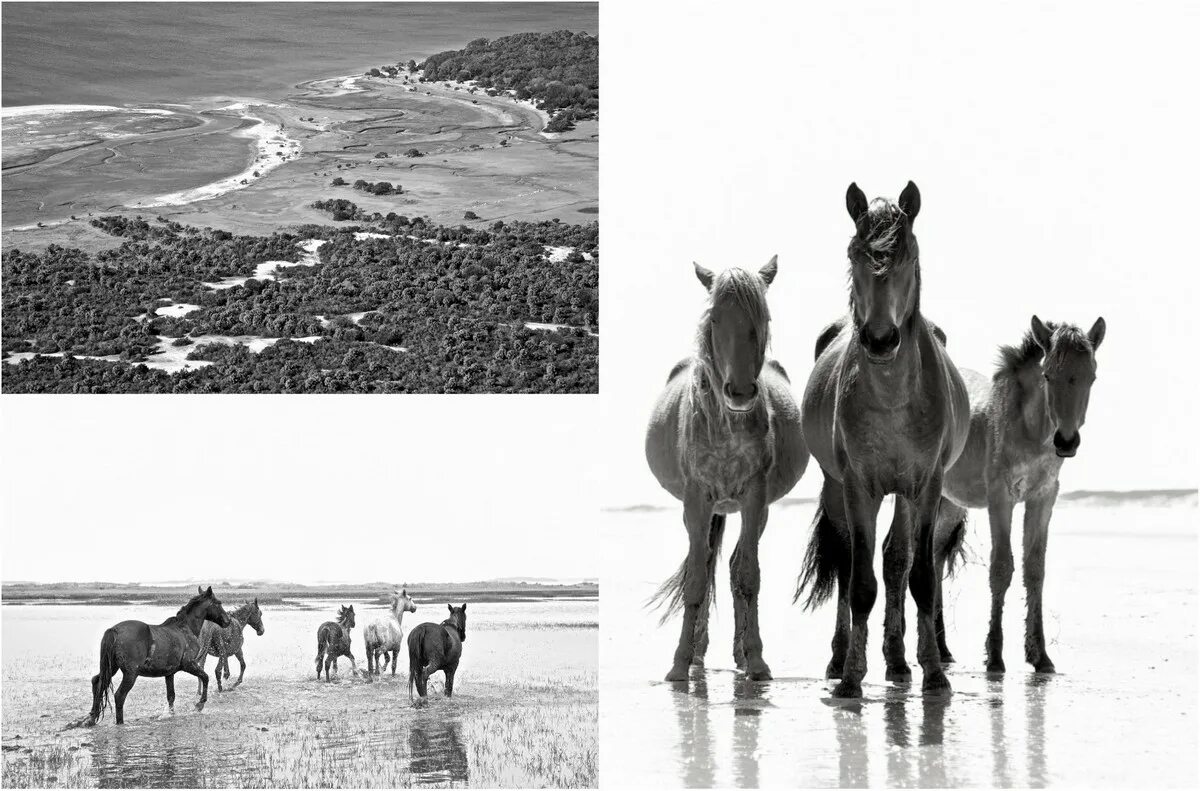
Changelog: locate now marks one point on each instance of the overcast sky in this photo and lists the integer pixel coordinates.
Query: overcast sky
(1056, 163)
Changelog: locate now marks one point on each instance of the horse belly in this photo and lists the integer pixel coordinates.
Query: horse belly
(724, 469)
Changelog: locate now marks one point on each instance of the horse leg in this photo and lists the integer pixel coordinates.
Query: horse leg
(450, 679)
(697, 512)
(197, 669)
(423, 680)
(924, 583)
(170, 692)
(701, 639)
(951, 519)
(371, 661)
(862, 509)
(127, 679)
(897, 562)
(221, 660)
(395, 658)
(748, 579)
(241, 672)
(320, 659)
(832, 519)
(1000, 518)
(1037, 524)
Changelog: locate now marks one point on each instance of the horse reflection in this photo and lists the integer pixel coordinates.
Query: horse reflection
(150, 757)
(695, 740)
(437, 754)
(746, 723)
(851, 733)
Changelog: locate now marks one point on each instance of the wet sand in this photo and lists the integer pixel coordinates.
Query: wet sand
(1121, 609)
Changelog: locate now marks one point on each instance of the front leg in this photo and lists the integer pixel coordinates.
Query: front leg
(697, 514)
(450, 679)
(1000, 508)
(170, 692)
(1037, 531)
(197, 670)
(242, 670)
(925, 585)
(897, 561)
(746, 578)
(862, 509)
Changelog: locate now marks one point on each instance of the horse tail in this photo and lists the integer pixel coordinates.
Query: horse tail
(108, 669)
(828, 552)
(416, 661)
(950, 540)
(670, 594)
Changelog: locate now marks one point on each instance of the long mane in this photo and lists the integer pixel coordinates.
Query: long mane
(1012, 359)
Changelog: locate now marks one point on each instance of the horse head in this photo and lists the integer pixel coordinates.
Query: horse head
(735, 331)
(402, 602)
(346, 616)
(885, 275)
(1069, 370)
(458, 619)
(254, 618)
(209, 607)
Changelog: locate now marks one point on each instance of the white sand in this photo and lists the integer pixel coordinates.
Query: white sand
(360, 235)
(177, 309)
(268, 270)
(534, 325)
(56, 109)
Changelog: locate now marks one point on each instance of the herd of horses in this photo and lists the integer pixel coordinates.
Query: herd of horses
(202, 628)
(885, 411)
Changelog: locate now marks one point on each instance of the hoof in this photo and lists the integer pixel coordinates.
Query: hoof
(900, 674)
(935, 683)
(947, 658)
(995, 666)
(199, 707)
(834, 669)
(698, 661)
(847, 689)
(1045, 666)
(757, 670)
(678, 673)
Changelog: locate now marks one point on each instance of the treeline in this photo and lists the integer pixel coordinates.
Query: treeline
(558, 71)
(455, 299)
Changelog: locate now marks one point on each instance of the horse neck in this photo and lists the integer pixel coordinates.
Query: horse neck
(398, 613)
(193, 620)
(900, 380)
(241, 615)
(1032, 413)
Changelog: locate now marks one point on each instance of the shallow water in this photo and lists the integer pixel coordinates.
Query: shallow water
(1120, 615)
(527, 681)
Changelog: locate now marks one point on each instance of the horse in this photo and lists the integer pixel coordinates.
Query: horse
(434, 647)
(140, 649)
(885, 411)
(724, 438)
(385, 635)
(223, 643)
(333, 640)
(1025, 422)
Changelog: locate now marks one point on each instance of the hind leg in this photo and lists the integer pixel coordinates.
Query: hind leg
(833, 513)
(924, 583)
(897, 561)
(98, 686)
(371, 661)
(242, 671)
(450, 671)
(1000, 509)
(952, 519)
(395, 658)
(320, 661)
(747, 578)
(697, 513)
(170, 692)
(1033, 566)
(128, 677)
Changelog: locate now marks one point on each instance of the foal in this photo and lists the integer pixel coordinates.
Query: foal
(333, 640)
(385, 636)
(725, 437)
(885, 411)
(227, 642)
(1024, 422)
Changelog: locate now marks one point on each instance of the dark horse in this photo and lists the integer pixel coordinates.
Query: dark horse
(725, 437)
(139, 649)
(885, 412)
(434, 647)
(333, 640)
(227, 642)
(1025, 422)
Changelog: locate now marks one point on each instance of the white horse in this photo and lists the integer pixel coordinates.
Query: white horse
(384, 636)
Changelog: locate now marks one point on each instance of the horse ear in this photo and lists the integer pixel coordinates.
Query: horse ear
(856, 202)
(450, 607)
(209, 592)
(255, 601)
(1096, 333)
(200, 590)
(404, 592)
(910, 201)
(1041, 333)
(769, 270)
(464, 607)
(704, 275)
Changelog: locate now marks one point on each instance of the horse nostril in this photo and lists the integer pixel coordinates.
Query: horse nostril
(733, 393)
(1064, 446)
(879, 344)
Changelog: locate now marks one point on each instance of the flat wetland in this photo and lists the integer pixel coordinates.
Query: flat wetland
(1120, 615)
(524, 711)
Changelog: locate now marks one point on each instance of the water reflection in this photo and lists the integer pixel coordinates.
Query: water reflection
(746, 721)
(436, 753)
(1037, 690)
(695, 739)
(851, 734)
(148, 757)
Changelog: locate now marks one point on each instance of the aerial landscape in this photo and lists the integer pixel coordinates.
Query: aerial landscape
(524, 711)
(427, 222)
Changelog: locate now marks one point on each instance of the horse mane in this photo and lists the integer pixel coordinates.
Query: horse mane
(882, 237)
(750, 293)
(1068, 338)
(1012, 359)
(191, 603)
(242, 612)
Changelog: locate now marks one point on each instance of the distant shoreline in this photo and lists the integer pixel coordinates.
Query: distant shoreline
(104, 593)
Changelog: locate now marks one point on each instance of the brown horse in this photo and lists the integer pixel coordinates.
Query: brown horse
(434, 647)
(1025, 421)
(885, 411)
(333, 640)
(725, 438)
(139, 649)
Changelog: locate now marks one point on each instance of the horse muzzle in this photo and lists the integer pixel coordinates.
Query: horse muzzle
(261, 631)
(740, 400)
(1065, 448)
(880, 348)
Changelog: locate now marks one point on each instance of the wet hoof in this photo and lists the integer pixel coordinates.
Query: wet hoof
(847, 688)
(1045, 666)
(698, 661)
(947, 657)
(678, 673)
(834, 669)
(757, 670)
(900, 674)
(995, 666)
(935, 683)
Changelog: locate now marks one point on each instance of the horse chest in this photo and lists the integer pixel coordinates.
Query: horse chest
(1031, 478)
(894, 448)
(725, 465)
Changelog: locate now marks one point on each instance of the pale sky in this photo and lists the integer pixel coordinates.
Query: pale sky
(1056, 163)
